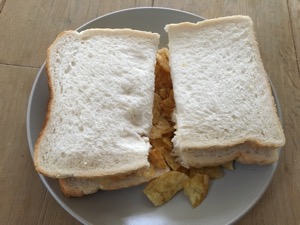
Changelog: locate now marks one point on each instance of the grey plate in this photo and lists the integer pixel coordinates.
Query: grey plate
(228, 199)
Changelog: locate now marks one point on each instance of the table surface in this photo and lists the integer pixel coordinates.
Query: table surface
(27, 28)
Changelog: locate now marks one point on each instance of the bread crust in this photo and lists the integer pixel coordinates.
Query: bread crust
(246, 153)
(83, 34)
(49, 106)
(266, 150)
(71, 186)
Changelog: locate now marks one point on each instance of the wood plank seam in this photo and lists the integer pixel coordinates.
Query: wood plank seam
(2, 3)
(293, 35)
(43, 205)
(16, 65)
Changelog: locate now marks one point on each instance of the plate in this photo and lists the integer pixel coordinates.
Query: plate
(229, 198)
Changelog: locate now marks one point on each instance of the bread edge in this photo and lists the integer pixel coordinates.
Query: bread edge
(262, 70)
(110, 183)
(87, 32)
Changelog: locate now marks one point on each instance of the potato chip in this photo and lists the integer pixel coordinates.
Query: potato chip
(157, 143)
(162, 70)
(164, 92)
(170, 159)
(164, 188)
(156, 108)
(167, 114)
(156, 158)
(163, 123)
(212, 171)
(158, 132)
(155, 133)
(167, 155)
(228, 165)
(182, 169)
(168, 105)
(167, 141)
(163, 59)
(196, 188)
(162, 78)
(169, 135)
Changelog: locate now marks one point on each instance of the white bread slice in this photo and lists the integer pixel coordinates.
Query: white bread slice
(224, 106)
(100, 110)
(77, 187)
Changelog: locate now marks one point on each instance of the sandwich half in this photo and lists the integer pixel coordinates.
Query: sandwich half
(99, 114)
(224, 105)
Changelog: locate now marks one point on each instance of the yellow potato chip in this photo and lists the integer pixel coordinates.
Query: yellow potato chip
(167, 155)
(158, 132)
(212, 171)
(156, 109)
(155, 133)
(156, 115)
(228, 165)
(163, 123)
(164, 92)
(164, 126)
(167, 113)
(156, 158)
(164, 188)
(157, 143)
(158, 83)
(168, 104)
(170, 159)
(167, 141)
(163, 58)
(162, 78)
(182, 169)
(170, 134)
(196, 188)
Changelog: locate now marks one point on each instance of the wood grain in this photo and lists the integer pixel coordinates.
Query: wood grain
(26, 35)
(281, 202)
(21, 191)
(2, 2)
(293, 109)
(294, 12)
(53, 213)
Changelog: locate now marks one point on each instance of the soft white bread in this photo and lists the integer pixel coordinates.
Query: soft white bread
(100, 110)
(76, 187)
(224, 106)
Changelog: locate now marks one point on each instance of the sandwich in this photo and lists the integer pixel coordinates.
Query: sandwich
(99, 118)
(224, 105)
(99, 114)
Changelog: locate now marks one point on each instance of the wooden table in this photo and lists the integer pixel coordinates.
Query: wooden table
(27, 28)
